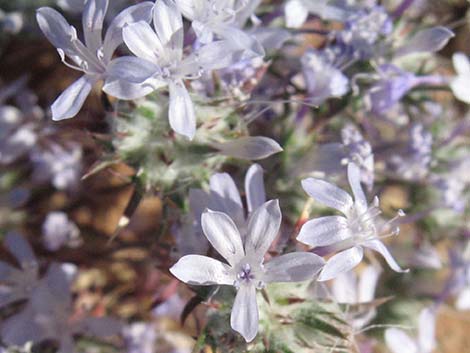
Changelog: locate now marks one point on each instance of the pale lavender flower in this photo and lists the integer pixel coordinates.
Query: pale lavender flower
(393, 84)
(92, 58)
(160, 62)
(244, 253)
(48, 314)
(61, 165)
(398, 341)
(18, 283)
(223, 196)
(349, 288)
(224, 19)
(362, 31)
(324, 80)
(58, 230)
(359, 228)
(413, 161)
(460, 84)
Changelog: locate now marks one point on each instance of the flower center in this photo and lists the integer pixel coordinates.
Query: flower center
(245, 274)
(248, 274)
(365, 225)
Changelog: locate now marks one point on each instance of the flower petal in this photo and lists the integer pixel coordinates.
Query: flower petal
(461, 64)
(324, 231)
(92, 21)
(21, 328)
(198, 202)
(344, 288)
(223, 234)
(354, 177)
(263, 227)
(293, 267)
(6, 270)
(328, 194)
(368, 282)
(224, 197)
(202, 271)
(132, 69)
(461, 88)
(142, 41)
(69, 103)
(181, 114)
(19, 247)
(341, 262)
(56, 28)
(168, 24)
(378, 246)
(190, 8)
(463, 299)
(426, 329)
(241, 40)
(399, 342)
(135, 13)
(245, 316)
(429, 40)
(296, 13)
(254, 187)
(249, 147)
(217, 55)
(128, 91)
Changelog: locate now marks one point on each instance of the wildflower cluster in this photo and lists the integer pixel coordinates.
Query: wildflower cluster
(125, 228)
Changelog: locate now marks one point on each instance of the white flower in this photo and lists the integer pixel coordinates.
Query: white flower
(223, 19)
(323, 79)
(160, 63)
(398, 341)
(349, 288)
(358, 228)
(58, 230)
(223, 196)
(93, 57)
(460, 84)
(245, 269)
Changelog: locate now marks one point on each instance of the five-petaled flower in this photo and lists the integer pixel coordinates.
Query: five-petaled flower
(358, 228)
(245, 269)
(159, 62)
(92, 58)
